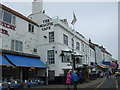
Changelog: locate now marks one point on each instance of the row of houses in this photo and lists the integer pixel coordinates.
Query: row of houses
(39, 46)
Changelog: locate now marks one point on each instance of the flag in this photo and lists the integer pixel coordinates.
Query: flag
(74, 19)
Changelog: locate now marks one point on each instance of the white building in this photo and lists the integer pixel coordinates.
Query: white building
(19, 39)
(59, 45)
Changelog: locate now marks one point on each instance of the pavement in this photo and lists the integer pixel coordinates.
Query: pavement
(83, 85)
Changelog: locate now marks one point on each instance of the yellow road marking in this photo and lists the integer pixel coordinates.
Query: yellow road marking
(100, 84)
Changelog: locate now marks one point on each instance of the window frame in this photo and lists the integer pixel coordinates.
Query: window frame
(51, 39)
(31, 28)
(72, 41)
(65, 39)
(7, 17)
(77, 45)
(16, 45)
(51, 57)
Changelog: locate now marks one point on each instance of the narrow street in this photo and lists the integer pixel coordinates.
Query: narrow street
(99, 84)
(111, 83)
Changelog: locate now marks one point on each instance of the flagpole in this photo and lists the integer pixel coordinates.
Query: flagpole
(73, 24)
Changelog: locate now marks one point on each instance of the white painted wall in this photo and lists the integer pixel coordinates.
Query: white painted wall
(30, 40)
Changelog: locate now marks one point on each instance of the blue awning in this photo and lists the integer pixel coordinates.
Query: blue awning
(3, 61)
(26, 61)
(106, 62)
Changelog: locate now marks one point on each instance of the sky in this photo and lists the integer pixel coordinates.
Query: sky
(95, 20)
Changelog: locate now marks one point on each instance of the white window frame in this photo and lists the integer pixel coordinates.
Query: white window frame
(31, 28)
(77, 45)
(16, 45)
(51, 56)
(51, 37)
(65, 39)
(72, 41)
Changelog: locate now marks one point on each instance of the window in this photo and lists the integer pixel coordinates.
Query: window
(90, 52)
(51, 36)
(7, 17)
(16, 45)
(13, 20)
(1, 13)
(77, 46)
(82, 47)
(66, 57)
(31, 28)
(65, 39)
(51, 57)
(72, 43)
(79, 60)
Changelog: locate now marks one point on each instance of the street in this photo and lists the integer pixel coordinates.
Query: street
(111, 83)
(99, 84)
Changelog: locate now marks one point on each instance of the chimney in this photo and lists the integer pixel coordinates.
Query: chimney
(37, 6)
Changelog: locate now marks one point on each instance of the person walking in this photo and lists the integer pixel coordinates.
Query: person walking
(75, 80)
(107, 74)
(110, 74)
(80, 74)
(68, 80)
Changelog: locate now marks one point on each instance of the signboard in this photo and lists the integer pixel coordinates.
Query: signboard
(7, 25)
(46, 25)
(3, 31)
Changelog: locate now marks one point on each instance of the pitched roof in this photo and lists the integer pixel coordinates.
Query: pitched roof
(17, 14)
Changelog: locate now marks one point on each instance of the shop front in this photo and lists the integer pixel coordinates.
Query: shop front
(20, 68)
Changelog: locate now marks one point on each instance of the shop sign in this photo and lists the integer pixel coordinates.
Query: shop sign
(32, 68)
(4, 31)
(7, 25)
(46, 25)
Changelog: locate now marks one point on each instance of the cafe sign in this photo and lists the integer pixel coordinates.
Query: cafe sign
(46, 25)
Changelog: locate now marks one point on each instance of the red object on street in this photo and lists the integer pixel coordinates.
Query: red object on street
(113, 65)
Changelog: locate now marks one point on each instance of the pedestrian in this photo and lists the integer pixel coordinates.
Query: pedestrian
(110, 74)
(68, 80)
(107, 74)
(75, 80)
(101, 75)
(80, 74)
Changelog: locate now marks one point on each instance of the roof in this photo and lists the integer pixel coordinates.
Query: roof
(17, 14)
(105, 51)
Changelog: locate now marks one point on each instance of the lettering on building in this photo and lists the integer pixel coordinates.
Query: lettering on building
(4, 31)
(46, 25)
(7, 25)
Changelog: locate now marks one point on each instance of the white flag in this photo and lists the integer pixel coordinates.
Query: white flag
(74, 19)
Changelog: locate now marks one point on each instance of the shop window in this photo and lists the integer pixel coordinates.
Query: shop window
(51, 57)
(66, 57)
(51, 36)
(65, 39)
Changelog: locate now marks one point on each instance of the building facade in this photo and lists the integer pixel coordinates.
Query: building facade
(62, 47)
(48, 39)
(19, 39)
